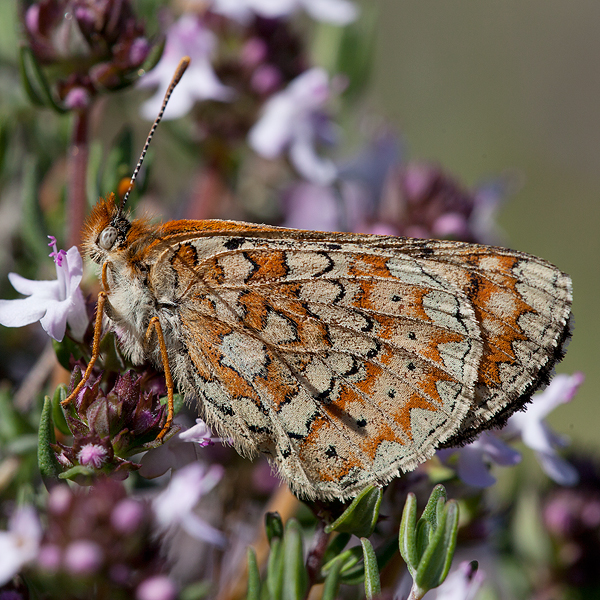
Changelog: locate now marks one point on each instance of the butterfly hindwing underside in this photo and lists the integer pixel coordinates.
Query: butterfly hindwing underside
(347, 359)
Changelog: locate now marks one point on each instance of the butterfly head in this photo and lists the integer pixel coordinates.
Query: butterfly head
(106, 230)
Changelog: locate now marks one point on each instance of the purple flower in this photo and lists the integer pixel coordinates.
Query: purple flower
(175, 505)
(535, 433)
(188, 36)
(177, 451)
(490, 447)
(293, 120)
(339, 12)
(473, 459)
(199, 434)
(156, 588)
(53, 303)
(83, 557)
(20, 544)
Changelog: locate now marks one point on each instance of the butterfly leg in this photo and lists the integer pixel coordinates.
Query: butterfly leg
(155, 324)
(102, 296)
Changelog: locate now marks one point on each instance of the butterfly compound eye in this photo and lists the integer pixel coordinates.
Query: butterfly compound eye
(107, 238)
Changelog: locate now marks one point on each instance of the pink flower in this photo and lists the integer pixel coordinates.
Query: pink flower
(293, 120)
(338, 12)
(175, 505)
(53, 303)
(187, 37)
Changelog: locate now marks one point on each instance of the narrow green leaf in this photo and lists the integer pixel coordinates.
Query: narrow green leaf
(253, 576)
(273, 526)
(34, 97)
(431, 510)
(275, 569)
(78, 471)
(372, 581)
(332, 582)
(361, 516)
(355, 575)
(336, 546)
(407, 537)
(32, 70)
(295, 577)
(348, 558)
(437, 559)
(58, 416)
(47, 462)
(423, 534)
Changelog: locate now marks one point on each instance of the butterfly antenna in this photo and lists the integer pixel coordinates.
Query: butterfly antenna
(181, 67)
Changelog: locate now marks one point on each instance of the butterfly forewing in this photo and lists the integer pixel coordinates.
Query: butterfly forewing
(345, 358)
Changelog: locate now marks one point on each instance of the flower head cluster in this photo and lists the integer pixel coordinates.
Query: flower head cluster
(99, 535)
(93, 46)
(571, 517)
(109, 427)
(422, 201)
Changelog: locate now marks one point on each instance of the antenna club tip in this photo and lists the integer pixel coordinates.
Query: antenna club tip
(184, 63)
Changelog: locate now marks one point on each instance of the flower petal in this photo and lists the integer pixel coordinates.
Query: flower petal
(472, 469)
(22, 311)
(54, 321)
(339, 12)
(309, 164)
(28, 287)
(77, 316)
(201, 530)
(557, 468)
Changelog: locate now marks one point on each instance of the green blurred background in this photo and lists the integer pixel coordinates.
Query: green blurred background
(485, 88)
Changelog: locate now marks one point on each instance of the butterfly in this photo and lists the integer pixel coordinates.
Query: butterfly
(346, 359)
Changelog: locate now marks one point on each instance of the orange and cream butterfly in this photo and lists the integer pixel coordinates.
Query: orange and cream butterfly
(347, 359)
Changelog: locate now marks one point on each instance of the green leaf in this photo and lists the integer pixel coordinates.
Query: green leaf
(49, 466)
(332, 582)
(195, 591)
(348, 558)
(372, 581)
(253, 576)
(275, 569)
(407, 538)
(335, 547)
(295, 577)
(361, 516)
(78, 471)
(273, 526)
(34, 81)
(58, 415)
(436, 561)
(356, 574)
(65, 349)
(178, 404)
(433, 507)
